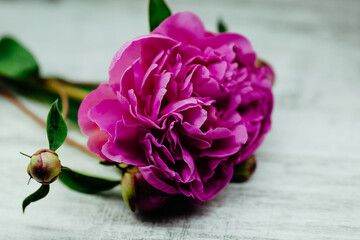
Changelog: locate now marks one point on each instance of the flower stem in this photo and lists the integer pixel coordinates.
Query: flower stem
(69, 88)
(73, 89)
(12, 98)
(25, 154)
(60, 89)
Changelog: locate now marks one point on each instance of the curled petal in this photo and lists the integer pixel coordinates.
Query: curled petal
(124, 146)
(158, 179)
(222, 39)
(148, 46)
(103, 92)
(184, 27)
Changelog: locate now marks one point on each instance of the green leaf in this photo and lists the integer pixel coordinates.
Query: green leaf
(86, 183)
(39, 194)
(221, 26)
(56, 127)
(16, 62)
(158, 12)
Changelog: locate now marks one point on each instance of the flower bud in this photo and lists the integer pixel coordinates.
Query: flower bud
(45, 166)
(128, 190)
(244, 170)
(137, 193)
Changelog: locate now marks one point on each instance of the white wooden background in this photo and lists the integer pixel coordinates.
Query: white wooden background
(307, 185)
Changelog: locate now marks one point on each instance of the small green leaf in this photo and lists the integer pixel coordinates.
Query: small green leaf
(16, 62)
(39, 194)
(85, 183)
(221, 26)
(158, 12)
(56, 127)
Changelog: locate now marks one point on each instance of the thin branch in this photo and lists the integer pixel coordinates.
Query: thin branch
(82, 148)
(12, 98)
(25, 154)
(73, 88)
(9, 96)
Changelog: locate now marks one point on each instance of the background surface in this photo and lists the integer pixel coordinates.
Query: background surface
(307, 184)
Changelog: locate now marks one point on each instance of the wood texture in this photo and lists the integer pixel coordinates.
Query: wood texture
(307, 185)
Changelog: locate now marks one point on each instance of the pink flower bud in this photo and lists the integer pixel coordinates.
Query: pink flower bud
(44, 166)
(137, 193)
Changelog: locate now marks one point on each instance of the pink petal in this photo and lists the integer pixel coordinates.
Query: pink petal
(104, 91)
(97, 139)
(106, 114)
(184, 27)
(125, 147)
(209, 189)
(157, 178)
(222, 39)
(147, 47)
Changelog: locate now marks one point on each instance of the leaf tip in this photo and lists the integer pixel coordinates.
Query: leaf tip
(23, 207)
(158, 12)
(39, 194)
(221, 26)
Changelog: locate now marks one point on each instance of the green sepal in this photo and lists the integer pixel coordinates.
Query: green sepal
(85, 183)
(128, 191)
(221, 26)
(244, 170)
(39, 194)
(16, 62)
(56, 127)
(158, 12)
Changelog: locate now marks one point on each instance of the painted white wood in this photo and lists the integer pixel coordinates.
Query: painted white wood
(307, 185)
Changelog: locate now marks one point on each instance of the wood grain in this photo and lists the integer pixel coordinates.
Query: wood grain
(307, 185)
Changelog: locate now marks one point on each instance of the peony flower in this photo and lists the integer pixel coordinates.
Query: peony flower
(183, 105)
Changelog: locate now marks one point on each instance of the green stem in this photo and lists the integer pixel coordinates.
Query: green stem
(49, 89)
(12, 98)
(74, 90)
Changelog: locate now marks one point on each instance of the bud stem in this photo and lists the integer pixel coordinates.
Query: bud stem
(29, 180)
(25, 154)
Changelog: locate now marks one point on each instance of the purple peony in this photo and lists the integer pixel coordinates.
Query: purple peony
(183, 105)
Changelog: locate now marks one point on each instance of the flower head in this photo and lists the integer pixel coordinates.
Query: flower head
(183, 105)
